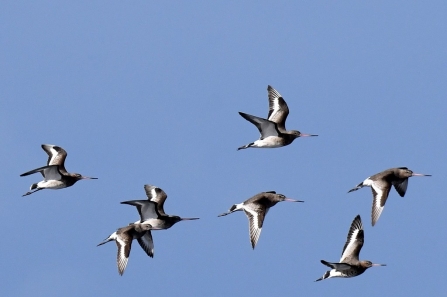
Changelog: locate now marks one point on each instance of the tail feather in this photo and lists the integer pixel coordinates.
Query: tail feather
(359, 186)
(33, 186)
(105, 241)
(325, 276)
(245, 146)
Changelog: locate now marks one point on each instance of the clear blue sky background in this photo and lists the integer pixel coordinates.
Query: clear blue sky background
(149, 92)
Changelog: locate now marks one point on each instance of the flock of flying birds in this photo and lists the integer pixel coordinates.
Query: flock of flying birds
(273, 134)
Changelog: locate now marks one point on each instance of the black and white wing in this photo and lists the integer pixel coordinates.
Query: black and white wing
(56, 156)
(256, 215)
(278, 109)
(380, 190)
(124, 244)
(354, 242)
(157, 195)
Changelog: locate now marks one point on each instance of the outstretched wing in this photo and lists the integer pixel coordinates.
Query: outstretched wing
(266, 128)
(56, 156)
(124, 244)
(354, 242)
(278, 109)
(337, 266)
(157, 195)
(48, 172)
(146, 209)
(147, 244)
(401, 187)
(380, 192)
(256, 217)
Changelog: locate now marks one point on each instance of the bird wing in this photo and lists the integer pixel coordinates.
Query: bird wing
(278, 109)
(266, 128)
(380, 192)
(48, 172)
(156, 194)
(124, 244)
(147, 244)
(401, 187)
(56, 156)
(146, 209)
(354, 242)
(337, 266)
(256, 217)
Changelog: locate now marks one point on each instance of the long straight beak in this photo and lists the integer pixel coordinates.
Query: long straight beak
(304, 135)
(87, 177)
(293, 200)
(378, 265)
(224, 214)
(189, 219)
(420, 174)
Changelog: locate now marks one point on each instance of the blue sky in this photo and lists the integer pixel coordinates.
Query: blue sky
(145, 92)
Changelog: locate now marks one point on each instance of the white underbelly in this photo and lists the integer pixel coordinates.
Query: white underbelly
(51, 184)
(268, 142)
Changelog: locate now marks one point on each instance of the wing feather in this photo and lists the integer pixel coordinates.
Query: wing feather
(266, 128)
(157, 195)
(56, 156)
(124, 244)
(255, 221)
(278, 109)
(401, 187)
(380, 194)
(354, 242)
(147, 244)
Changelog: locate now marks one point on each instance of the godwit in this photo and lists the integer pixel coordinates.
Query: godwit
(350, 265)
(55, 175)
(256, 209)
(151, 210)
(123, 238)
(273, 129)
(380, 184)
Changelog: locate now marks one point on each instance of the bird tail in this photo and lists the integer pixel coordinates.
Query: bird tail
(359, 186)
(105, 241)
(245, 146)
(325, 276)
(233, 208)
